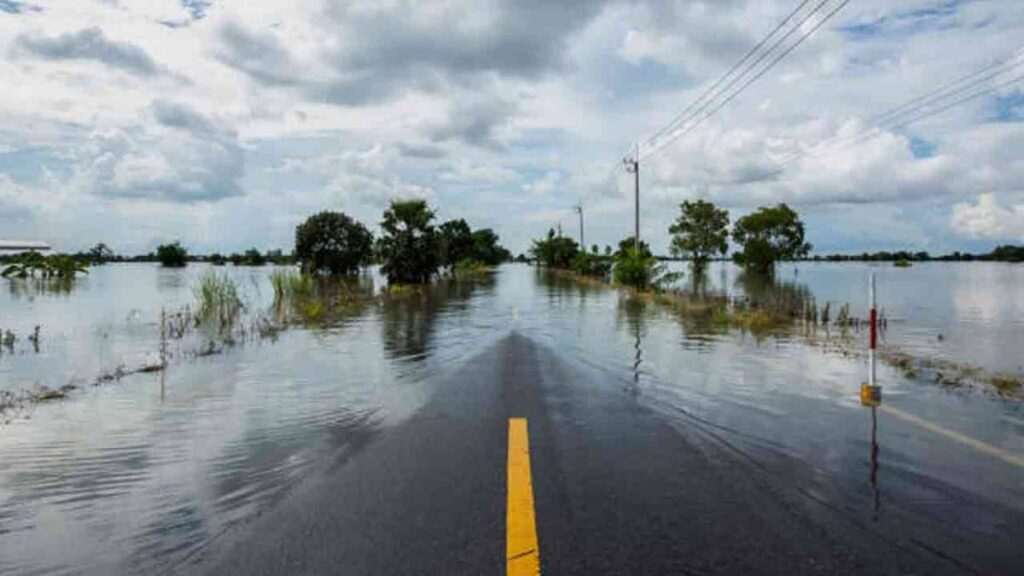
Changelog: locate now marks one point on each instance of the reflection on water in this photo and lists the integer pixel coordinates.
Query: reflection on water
(143, 473)
(873, 476)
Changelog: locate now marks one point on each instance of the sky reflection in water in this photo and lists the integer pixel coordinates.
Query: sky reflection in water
(142, 473)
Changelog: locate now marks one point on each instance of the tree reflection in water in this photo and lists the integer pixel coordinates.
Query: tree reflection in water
(408, 319)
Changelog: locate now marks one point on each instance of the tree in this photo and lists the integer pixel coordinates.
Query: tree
(554, 251)
(486, 248)
(172, 255)
(628, 245)
(701, 231)
(252, 257)
(100, 254)
(455, 242)
(769, 235)
(409, 246)
(332, 243)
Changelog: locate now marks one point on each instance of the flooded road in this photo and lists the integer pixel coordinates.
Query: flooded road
(165, 471)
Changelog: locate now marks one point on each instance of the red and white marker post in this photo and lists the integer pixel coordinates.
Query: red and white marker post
(871, 392)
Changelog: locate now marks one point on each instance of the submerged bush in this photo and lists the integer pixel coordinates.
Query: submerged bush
(172, 255)
(636, 269)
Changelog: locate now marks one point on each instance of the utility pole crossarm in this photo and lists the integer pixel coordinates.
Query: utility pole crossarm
(633, 166)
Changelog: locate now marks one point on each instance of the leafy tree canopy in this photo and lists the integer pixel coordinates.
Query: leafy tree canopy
(628, 245)
(332, 243)
(172, 255)
(554, 251)
(409, 248)
(700, 232)
(486, 248)
(769, 235)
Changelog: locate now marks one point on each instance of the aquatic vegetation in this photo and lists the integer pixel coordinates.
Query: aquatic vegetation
(219, 304)
(902, 264)
(52, 267)
(469, 268)
(290, 285)
(1007, 384)
(307, 299)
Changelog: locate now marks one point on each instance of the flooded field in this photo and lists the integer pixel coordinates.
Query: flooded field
(142, 472)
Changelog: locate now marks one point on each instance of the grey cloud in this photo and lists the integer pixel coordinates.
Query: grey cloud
(475, 122)
(260, 55)
(175, 115)
(91, 44)
(423, 151)
(410, 45)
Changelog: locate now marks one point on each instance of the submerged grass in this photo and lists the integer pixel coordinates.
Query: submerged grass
(311, 300)
(218, 302)
(779, 308)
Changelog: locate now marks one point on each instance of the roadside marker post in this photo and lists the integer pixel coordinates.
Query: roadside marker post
(871, 392)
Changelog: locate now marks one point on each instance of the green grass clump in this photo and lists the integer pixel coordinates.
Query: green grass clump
(291, 286)
(218, 301)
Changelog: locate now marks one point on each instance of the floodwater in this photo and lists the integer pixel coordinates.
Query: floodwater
(140, 474)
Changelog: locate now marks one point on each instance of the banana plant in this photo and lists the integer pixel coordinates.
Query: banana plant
(31, 264)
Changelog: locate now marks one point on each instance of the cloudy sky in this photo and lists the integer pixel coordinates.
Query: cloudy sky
(223, 123)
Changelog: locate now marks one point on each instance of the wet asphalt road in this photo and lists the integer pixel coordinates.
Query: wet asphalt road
(618, 488)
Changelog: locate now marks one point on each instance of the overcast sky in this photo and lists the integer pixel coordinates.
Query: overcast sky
(225, 123)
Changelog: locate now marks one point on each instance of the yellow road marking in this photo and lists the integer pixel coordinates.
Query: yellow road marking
(983, 447)
(521, 553)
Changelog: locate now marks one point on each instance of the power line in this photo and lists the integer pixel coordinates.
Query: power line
(834, 144)
(723, 77)
(927, 105)
(699, 114)
(759, 74)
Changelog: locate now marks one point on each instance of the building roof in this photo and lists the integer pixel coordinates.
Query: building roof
(23, 245)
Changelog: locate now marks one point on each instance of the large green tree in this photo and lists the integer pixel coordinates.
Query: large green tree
(486, 248)
(769, 235)
(455, 242)
(409, 247)
(332, 243)
(700, 232)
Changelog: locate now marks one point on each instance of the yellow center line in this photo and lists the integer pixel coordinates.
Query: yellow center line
(983, 447)
(521, 553)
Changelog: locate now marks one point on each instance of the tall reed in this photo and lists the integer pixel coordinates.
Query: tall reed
(218, 301)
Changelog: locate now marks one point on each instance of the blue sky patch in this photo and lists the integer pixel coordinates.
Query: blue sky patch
(922, 148)
(17, 7)
(1009, 108)
(907, 23)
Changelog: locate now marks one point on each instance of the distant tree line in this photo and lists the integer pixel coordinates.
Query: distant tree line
(1004, 253)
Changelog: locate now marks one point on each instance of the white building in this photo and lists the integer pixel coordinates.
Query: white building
(18, 246)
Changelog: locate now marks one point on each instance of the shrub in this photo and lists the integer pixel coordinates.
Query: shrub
(636, 269)
(555, 251)
(172, 255)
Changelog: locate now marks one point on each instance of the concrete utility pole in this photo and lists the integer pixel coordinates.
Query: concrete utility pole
(579, 209)
(633, 165)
